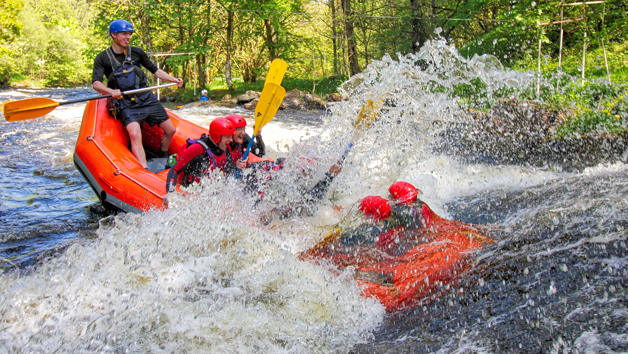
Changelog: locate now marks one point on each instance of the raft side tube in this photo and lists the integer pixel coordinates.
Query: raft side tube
(103, 196)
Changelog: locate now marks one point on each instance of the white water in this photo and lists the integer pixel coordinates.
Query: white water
(203, 277)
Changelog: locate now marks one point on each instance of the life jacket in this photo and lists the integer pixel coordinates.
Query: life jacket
(186, 156)
(415, 215)
(235, 151)
(125, 76)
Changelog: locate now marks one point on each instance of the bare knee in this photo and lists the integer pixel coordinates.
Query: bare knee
(168, 128)
(135, 133)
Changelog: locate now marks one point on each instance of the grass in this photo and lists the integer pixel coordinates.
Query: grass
(595, 105)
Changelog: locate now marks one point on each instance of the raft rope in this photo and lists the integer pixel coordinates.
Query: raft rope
(118, 170)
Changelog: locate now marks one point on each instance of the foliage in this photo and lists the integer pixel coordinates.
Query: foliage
(325, 86)
(50, 47)
(61, 38)
(10, 30)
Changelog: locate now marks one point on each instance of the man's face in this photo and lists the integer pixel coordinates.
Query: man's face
(239, 134)
(224, 141)
(122, 38)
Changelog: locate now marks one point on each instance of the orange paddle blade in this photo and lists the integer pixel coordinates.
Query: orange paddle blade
(28, 108)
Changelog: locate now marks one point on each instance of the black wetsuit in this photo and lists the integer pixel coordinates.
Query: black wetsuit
(138, 107)
(258, 148)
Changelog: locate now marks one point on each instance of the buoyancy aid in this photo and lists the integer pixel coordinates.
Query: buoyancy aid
(196, 159)
(236, 151)
(402, 217)
(126, 75)
(417, 214)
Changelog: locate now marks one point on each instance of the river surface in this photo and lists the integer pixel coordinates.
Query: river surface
(201, 277)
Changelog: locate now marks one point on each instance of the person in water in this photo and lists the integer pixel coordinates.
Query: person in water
(199, 157)
(121, 65)
(385, 221)
(398, 249)
(204, 96)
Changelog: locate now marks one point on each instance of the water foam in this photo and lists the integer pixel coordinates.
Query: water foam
(162, 282)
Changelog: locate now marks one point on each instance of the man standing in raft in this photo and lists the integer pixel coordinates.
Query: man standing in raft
(120, 64)
(199, 157)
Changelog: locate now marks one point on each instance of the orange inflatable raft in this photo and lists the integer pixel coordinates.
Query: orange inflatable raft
(103, 157)
(418, 265)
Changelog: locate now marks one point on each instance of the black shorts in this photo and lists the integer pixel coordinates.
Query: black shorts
(145, 108)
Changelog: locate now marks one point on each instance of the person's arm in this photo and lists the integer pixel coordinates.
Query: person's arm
(167, 77)
(171, 181)
(103, 89)
(259, 148)
(144, 60)
(320, 189)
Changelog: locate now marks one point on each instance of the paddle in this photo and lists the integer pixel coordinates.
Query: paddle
(276, 72)
(268, 104)
(39, 106)
(365, 119)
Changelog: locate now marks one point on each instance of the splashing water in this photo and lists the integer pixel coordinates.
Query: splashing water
(204, 276)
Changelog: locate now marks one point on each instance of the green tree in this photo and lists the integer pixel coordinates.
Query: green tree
(10, 30)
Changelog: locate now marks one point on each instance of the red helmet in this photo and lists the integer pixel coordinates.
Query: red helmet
(403, 192)
(219, 127)
(238, 121)
(376, 207)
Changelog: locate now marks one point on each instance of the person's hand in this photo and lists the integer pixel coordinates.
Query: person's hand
(116, 94)
(179, 82)
(335, 170)
(165, 199)
(259, 133)
(241, 164)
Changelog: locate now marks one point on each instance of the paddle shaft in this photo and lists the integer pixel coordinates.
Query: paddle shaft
(129, 92)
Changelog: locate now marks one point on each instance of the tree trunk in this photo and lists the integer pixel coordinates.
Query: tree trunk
(422, 26)
(270, 40)
(415, 23)
(334, 39)
(352, 52)
(229, 44)
(200, 72)
(201, 58)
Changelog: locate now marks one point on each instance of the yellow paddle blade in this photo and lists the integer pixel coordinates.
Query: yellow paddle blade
(268, 104)
(28, 108)
(276, 72)
(366, 116)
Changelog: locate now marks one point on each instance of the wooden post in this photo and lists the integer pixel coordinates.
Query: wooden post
(538, 84)
(608, 72)
(584, 52)
(158, 81)
(313, 72)
(560, 51)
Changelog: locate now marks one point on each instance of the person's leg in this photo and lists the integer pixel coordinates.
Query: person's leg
(169, 131)
(135, 134)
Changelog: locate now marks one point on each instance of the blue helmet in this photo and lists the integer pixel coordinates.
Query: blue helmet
(120, 26)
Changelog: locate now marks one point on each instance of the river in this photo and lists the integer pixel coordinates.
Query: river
(199, 277)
